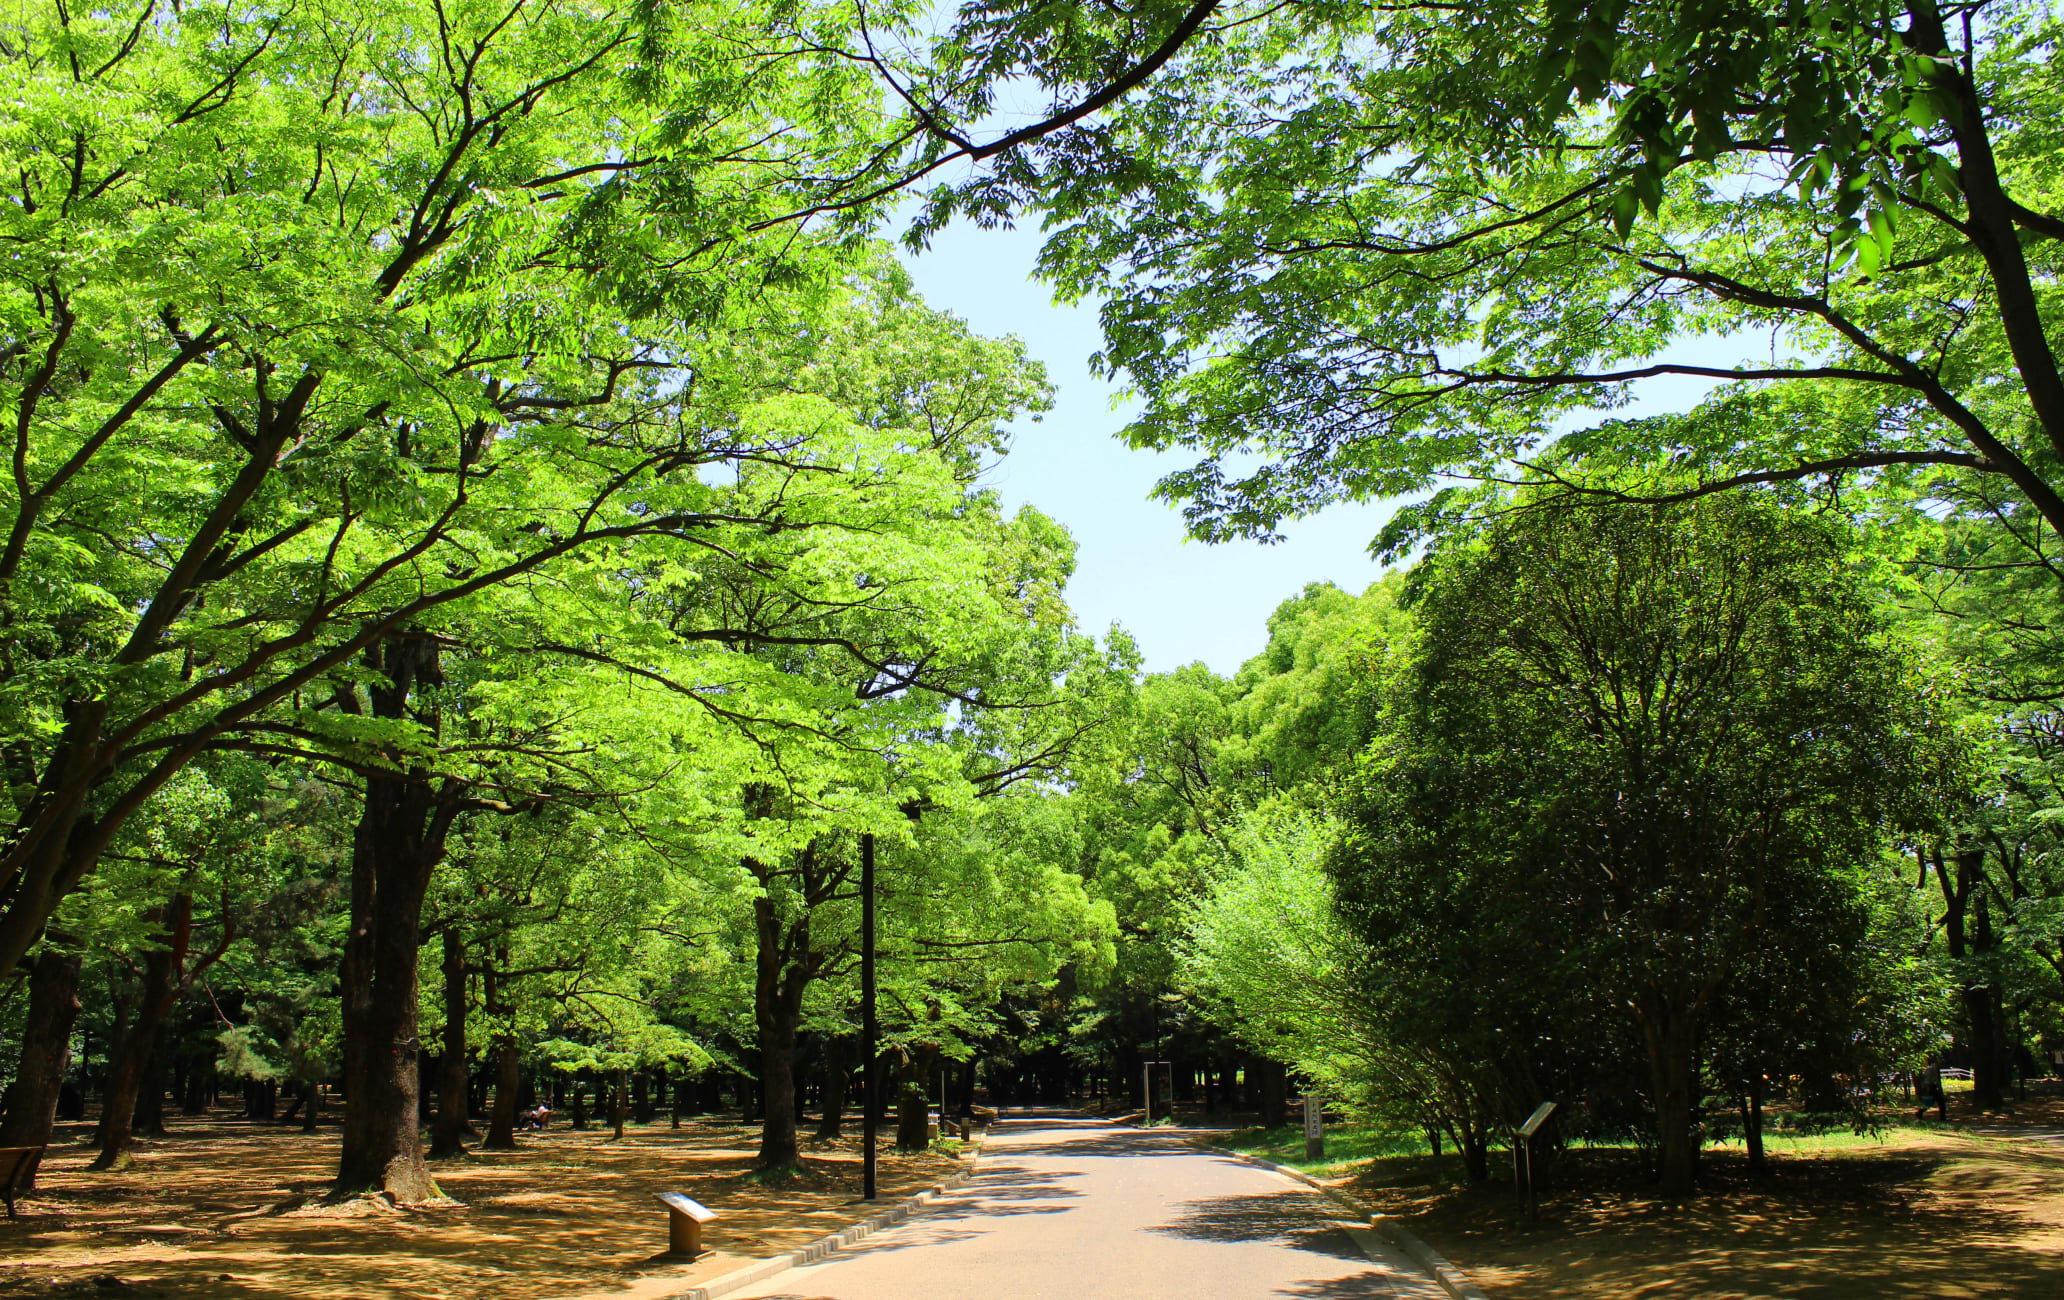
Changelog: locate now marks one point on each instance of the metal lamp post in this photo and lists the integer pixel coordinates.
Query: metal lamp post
(868, 1029)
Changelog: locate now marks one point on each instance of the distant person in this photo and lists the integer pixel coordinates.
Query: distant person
(537, 1117)
(1929, 1092)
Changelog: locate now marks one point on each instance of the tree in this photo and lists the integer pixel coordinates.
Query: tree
(308, 337)
(196, 841)
(1348, 252)
(1656, 728)
(1838, 994)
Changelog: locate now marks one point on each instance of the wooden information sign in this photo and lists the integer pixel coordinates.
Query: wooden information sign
(685, 1217)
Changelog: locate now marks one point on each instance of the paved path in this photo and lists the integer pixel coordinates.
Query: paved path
(2052, 1136)
(1084, 1210)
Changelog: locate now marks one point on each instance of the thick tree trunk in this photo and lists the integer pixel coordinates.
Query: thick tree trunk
(1670, 1046)
(1992, 1062)
(778, 1147)
(131, 1052)
(1476, 1156)
(62, 842)
(448, 1135)
(399, 841)
(833, 1117)
(501, 1128)
(784, 965)
(1989, 1059)
(1967, 929)
(31, 1100)
(914, 1115)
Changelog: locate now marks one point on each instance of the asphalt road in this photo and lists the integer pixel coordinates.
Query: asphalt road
(1090, 1211)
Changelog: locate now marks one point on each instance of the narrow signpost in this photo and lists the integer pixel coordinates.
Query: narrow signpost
(872, 1078)
(1314, 1127)
(1147, 1089)
(1523, 1155)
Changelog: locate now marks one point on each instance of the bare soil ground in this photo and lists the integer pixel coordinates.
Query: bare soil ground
(1943, 1213)
(226, 1208)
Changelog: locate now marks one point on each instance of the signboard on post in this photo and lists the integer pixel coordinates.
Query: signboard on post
(1314, 1127)
(1523, 1156)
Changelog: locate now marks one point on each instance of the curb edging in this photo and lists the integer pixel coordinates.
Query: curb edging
(760, 1270)
(1450, 1279)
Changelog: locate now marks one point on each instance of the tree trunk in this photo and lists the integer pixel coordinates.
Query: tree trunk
(399, 841)
(311, 1103)
(501, 1129)
(778, 1148)
(1752, 1125)
(1476, 1155)
(130, 1054)
(448, 1135)
(914, 1115)
(193, 1092)
(833, 1117)
(1991, 1062)
(150, 1103)
(1988, 1059)
(31, 1100)
(1669, 1036)
(617, 1108)
(784, 964)
(1967, 929)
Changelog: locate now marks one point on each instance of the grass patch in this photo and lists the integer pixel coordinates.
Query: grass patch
(1348, 1146)
(1912, 1210)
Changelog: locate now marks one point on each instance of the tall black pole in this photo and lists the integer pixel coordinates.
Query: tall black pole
(867, 1025)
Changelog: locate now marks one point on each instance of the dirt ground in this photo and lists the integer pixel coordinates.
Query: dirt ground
(1945, 1213)
(227, 1208)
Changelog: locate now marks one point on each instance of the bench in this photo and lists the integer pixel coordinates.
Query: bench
(17, 1171)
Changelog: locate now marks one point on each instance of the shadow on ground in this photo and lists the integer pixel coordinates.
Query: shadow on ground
(1924, 1216)
(1287, 1218)
(231, 1210)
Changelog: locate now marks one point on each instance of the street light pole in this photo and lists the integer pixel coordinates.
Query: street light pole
(867, 1026)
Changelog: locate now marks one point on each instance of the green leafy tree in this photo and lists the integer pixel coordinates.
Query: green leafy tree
(1347, 252)
(1636, 734)
(310, 334)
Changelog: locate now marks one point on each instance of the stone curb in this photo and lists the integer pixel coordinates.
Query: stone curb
(1451, 1279)
(760, 1270)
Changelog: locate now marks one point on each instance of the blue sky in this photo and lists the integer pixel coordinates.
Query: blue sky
(1184, 601)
